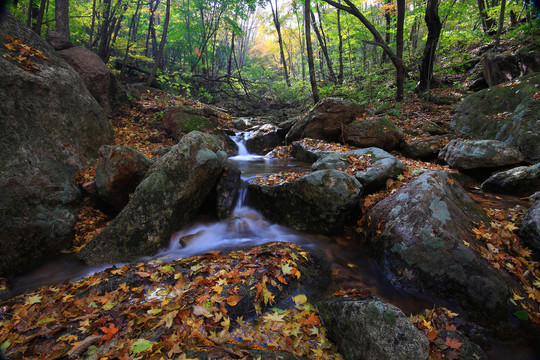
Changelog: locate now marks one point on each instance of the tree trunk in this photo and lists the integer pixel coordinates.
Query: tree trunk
(340, 47)
(39, 20)
(94, 14)
(501, 23)
(388, 20)
(434, 29)
(157, 61)
(61, 11)
(280, 41)
(400, 76)
(311, 65)
(324, 50)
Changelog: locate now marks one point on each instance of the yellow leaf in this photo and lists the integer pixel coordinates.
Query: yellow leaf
(300, 299)
(516, 296)
(274, 317)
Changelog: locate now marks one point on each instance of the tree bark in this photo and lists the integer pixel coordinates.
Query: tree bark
(340, 47)
(311, 65)
(400, 76)
(61, 12)
(434, 26)
(157, 61)
(324, 49)
(501, 23)
(280, 41)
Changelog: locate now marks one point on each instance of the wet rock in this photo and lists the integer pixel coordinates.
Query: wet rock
(303, 152)
(422, 249)
(118, 172)
(530, 228)
(372, 329)
(521, 181)
(181, 120)
(475, 154)
(373, 132)
(467, 351)
(226, 190)
(500, 68)
(383, 166)
(507, 113)
(97, 77)
(170, 195)
(423, 149)
(264, 139)
(51, 128)
(326, 120)
(320, 202)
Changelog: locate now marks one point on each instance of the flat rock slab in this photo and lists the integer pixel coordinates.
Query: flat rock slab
(521, 181)
(477, 154)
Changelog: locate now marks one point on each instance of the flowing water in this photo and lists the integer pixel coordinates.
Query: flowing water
(245, 227)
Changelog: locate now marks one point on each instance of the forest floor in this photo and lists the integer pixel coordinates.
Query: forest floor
(137, 127)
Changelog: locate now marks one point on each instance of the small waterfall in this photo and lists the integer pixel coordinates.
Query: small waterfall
(243, 153)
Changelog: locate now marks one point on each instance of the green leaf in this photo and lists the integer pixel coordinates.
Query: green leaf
(286, 269)
(522, 315)
(5, 345)
(33, 300)
(141, 345)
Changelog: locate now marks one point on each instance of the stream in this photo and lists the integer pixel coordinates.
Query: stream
(350, 268)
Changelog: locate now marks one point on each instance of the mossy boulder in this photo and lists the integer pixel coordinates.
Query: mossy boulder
(372, 329)
(51, 128)
(170, 195)
(373, 132)
(507, 112)
(181, 120)
(425, 248)
(320, 202)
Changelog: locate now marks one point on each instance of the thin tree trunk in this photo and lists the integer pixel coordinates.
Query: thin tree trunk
(311, 66)
(388, 19)
(501, 23)
(280, 41)
(400, 76)
(93, 24)
(229, 62)
(324, 50)
(434, 26)
(340, 47)
(161, 45)
(39, 19)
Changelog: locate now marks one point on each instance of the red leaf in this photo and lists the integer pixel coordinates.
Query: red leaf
(453, 343)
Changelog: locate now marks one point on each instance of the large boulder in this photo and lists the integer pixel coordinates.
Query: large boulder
(326, 120)
(319, 202)
(477, 154)
(118, 172)
(371, 329)
(51, 128)
(180, 120)
(521, 181)
(507, 113)
(424, 246)
(500, 68)
(170, 195)
(97, 77)
(373, 132)
(530, 228)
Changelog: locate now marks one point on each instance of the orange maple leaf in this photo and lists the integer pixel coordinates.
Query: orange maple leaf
(109, 331)
(453, 343)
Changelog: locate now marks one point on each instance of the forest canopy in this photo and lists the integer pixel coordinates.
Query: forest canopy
(248, 49)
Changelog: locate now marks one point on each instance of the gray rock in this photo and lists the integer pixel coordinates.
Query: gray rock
(500, 68)
(373, 132)
(424, 227)
(320, 202)
(58, 41)
(226, 190)
(118, 172)
(505, 113)
(530, 228)
(476, 154)
(383, 167)
(181, 120)
(51, 128)
(371, 330)
(334, 160)
(521, 181)
(303, 152)
(326, 120)
(423, 149)
(174, 189)
(263, 139)
(535, 197)
(97, 77)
